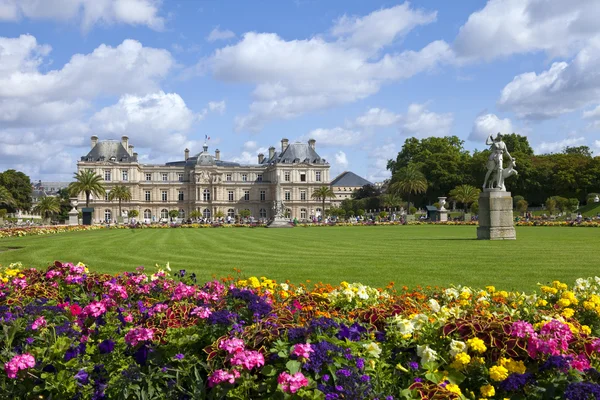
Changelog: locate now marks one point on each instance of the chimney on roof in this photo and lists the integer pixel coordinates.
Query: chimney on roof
(271, 152)
(217, 154)
(284, 144)
(130, 149)
(135, 155)
(186, 154)
(94, 141)
(125, 142)
(312, 143)
(261, 158)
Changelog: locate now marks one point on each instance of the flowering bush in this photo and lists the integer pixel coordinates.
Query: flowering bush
(69, 333)
(44, 230)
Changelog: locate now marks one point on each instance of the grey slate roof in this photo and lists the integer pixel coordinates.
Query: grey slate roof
(106, 150)
(349, 179)
(296, 153)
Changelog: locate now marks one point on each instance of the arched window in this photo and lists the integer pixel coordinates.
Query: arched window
(206, 213)
(288, 212)
(164, 213)
(182, 213)
(262, 213)
(231, 213)
(303, 213)
(107, 215)
(147, 214)
(206, 195)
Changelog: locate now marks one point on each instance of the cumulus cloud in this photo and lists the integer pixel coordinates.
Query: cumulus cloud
(341, 161)
(293, 77)
(377, 117)
(378, 158)
(420, 122)
(249, 153)
(218, 34)
(505, 27)
(334, 137)
(217, 106)
(489, 124)
(563, 88)
(87, 12)
(558, 146)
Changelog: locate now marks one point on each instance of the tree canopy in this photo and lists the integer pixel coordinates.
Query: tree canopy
(19, 187)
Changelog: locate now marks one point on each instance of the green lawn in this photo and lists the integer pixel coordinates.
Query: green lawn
(407, 255)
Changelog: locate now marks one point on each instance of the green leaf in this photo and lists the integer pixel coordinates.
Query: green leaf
(268, 370)
(293, 366)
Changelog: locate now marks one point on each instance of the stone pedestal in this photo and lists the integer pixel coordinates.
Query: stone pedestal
(279, 222)
(73, 217)
(443, 215)
(496, 216)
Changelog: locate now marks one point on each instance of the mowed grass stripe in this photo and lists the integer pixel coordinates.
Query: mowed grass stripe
(408, 255)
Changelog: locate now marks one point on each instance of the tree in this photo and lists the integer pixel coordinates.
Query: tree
(6, 198)
(581, 150)
(322, 194)
(522, 206)
(88, 182)
(173, 214)
(591, 198)
(133, 213)
(551, 205)
(219, 214)
(47, 206)
(19, 187)
(365, 192)
(408, 180)
(195, 214)
(465, 194)
(573, 205)
(245, 213)
(121, 193)
(391, 200)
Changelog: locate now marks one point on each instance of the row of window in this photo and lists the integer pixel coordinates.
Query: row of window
(228, 177)
(164, 194)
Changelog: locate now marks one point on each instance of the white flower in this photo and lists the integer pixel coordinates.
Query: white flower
(284, 286)
(419, 321)
(434, 305)
(405, 326)
(456, 346)
(373, 349)
(362, 293)
(451, 293)
(426, 353)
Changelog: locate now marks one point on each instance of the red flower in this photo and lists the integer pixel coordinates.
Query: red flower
(75, 310)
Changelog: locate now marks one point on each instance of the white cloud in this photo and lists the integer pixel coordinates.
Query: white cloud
(249, 153)
(250, 145)
(377, 117)
(378, 158)
(420, 122)
(334, 137)
(218, 34)
(505, 27)
(298, 76)
(597, 145)
(217, 106)
(157, 121)
(87, 12)
(341, 161)
(489, 124)
(558, 146)
(592, 114)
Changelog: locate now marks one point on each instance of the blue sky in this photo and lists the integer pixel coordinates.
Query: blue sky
(358, 76)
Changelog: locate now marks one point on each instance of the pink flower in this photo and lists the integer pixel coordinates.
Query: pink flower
(115, 290)
(292, 383)
(580, 362)
(20, 283)
(201, 312)
(137, 335)
(77, 269)
(128, 318)
(95, 309)
(248, 359)
(38, 323)
(221, 375)
(53, 273)
(183, 291)
(232, 345)
(302, 351)
(19, 362)
(553, 339)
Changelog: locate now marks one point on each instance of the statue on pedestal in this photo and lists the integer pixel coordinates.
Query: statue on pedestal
(279, 218)
(494, 164)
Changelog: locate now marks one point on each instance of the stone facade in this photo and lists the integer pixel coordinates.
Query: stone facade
(206, 183)
(344, 185)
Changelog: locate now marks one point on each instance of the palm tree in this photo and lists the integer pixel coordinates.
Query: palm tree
(120, 193)
(390, 200)
(47, 206)
(88, 182)
(408, 180)
(322, 194)
(5, 197)
(465, 194)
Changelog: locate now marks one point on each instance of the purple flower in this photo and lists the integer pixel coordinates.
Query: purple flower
(71, 353)
(29, 340)
(179, 356)
(417, 379)
(516, 382)
(326, 377)
(351, 333)
(106, 346)
(360, 363)
(413, 365)
(343, 372)
(365, 378)
(82, 377)
(582, 391)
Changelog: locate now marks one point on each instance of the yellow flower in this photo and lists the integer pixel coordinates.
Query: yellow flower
(512, 366)
(541, 303)
(568, 312)
(487, 391)
(344, 284)
(253, 281)
(586, 329)
(564, 303)
(560, 286)
(588, 305)
(490, 289)
(460, 361)
(477, 345)
(498, 373)
(452, 388)
(548, 289)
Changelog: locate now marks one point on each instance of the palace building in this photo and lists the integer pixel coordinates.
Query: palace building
(206, 183)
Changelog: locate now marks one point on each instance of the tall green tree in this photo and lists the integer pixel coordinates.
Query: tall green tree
(391, 200)
(173, 214)
(120, 193)
(19, 186)
(408, 180)
(6, 198)
(465, 194)
(47, 206)
(88, 182)
(323, 193)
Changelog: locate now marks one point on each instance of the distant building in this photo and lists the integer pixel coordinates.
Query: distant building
(206, 183)
(344, 184)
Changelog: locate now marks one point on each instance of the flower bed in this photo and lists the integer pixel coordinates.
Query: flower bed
(44, 230)
(69, 333)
